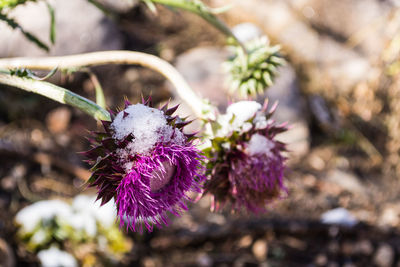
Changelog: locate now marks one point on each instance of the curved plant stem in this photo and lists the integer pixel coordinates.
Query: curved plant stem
(100, 98)
(113, 57)
(56, 93)
(199, 8)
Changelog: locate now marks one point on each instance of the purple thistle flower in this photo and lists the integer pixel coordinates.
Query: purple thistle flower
(246, 165)
(147, 164)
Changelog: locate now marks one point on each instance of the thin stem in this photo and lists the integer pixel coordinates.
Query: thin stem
(199, 8)
(102, 8)
(56, 93)
(100, 98)
(113, 57)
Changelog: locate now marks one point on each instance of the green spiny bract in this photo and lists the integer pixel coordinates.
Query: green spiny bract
(252, 72)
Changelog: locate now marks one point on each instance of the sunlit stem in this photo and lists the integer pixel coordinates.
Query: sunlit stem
(56, 93)
(114, 57)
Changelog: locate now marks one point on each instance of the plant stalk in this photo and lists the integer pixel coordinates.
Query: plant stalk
(56, 93)
(197, 7)
(113, 57)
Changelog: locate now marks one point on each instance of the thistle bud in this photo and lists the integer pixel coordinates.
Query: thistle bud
(146, 164)
(252, 72)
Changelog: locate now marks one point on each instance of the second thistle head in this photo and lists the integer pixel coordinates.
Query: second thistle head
(246, 162)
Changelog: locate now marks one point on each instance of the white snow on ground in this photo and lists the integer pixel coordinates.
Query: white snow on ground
(30, 216)
(339, 216)
(53, 257)
(83, 214)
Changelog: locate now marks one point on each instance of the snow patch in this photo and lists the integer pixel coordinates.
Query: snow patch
(147, 125)
(243, 111)
(261, 122)
(83, 214)
(237, 117)
(260, 145)
(54, 257)
(29, 217)
(339, 216)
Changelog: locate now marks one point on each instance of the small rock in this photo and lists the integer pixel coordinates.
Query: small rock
(390, 216)
(7, 258)
(202, 69)
(58, 120)
(216, 218)
(364, 247)
(245, 241)
(295, 243)
(90, 30)
(260, 249)
(316, 162)
(8, 183)
(339, 216)
(309, 180)
(149, 262)
(347, 72)
(348, 248)
(321, 260)
(204, 260)
(345, 180)
(384, 256)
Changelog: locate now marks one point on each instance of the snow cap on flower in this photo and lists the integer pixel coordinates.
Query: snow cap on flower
(146, 163)
(246, 164)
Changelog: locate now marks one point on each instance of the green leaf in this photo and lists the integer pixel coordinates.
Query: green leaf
(22, 72)
(102, 8)
(50, 74)
(52, 23)
(267, 79)
(13, 24)
(13, 3)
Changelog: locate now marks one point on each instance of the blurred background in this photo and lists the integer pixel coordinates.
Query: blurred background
(340, 91)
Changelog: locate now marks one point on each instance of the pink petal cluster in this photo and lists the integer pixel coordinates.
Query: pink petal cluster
(246, 166)
(146, 186)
